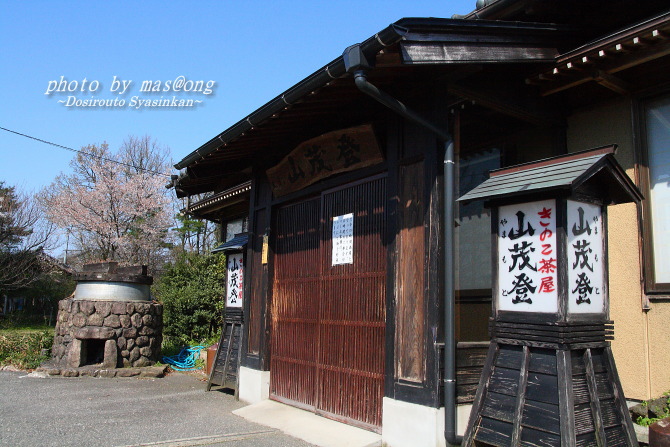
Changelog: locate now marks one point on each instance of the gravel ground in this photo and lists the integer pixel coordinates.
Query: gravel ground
(39, 410)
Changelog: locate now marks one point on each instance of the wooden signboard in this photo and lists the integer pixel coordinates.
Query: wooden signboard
(226, 364)
(323, 156)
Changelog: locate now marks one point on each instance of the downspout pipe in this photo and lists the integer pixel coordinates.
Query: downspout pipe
(357, 63)
(360, 78)
(449, 299)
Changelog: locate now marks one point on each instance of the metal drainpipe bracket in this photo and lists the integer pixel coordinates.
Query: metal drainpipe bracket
(354, 59)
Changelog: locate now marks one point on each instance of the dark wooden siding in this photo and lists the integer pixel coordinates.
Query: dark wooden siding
(410, 288)
(536, 396)
(257, 291)
(470, 359)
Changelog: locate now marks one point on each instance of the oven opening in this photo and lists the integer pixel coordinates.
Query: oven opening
(93, 351)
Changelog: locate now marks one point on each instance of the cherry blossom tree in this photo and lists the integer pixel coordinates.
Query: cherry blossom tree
(114, 205)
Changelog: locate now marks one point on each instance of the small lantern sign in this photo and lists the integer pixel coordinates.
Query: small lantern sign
(550, 377)
(235, 282)
(234, 250)
(224, 371)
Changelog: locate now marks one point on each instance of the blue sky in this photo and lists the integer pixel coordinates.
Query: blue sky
(253, 50)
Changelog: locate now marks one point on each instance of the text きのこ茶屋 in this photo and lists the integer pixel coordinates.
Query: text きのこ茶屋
(122, 86)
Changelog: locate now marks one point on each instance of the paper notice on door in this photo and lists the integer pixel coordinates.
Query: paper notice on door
(343, 239)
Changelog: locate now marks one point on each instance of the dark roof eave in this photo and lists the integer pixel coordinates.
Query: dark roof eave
(414, 28)
(220, 198)
(335, 69)
(491, 10)
(568, 172)
(237, 243)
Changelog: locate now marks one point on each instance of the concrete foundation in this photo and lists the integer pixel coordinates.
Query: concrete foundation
(405, 424)
(254, 385)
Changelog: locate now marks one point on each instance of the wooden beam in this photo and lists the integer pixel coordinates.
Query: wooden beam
(611, 65)
(492, 100)
(448, 52)
(611, 82)
(641, 56)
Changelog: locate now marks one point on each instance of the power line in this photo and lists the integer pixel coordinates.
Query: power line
(86, 153)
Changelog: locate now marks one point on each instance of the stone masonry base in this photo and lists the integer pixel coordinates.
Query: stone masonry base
(112, 333)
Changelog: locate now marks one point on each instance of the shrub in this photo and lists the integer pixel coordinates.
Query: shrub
(655, 410)
(24, 348)
(192, 291)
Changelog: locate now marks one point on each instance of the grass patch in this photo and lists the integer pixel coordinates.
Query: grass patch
(19, 321)
(23, 347)
(23, 340)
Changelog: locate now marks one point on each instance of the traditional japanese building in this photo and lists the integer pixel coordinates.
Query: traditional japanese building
(349, 299)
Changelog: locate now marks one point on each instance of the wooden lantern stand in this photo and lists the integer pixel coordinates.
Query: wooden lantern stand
(225, 367)
(550, 377)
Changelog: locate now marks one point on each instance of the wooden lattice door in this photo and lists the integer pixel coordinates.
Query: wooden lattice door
(328, 321)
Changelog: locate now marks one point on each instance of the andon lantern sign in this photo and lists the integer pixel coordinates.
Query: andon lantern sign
(585, 249)
(549, 233)
(235, 280)
(529, 262)
(550, 350)
(527, 257)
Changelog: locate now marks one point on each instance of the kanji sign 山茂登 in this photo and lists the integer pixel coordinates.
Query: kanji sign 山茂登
(328, 154)
(550, 329)
(527, 278)
(235, 280)
(585, 258)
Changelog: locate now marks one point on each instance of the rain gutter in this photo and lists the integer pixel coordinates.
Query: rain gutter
(335, 69)
(356, 62)
(491, 9)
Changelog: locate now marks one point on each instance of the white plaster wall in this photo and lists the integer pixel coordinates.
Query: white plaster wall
(601, 125)
(254, 385)
(411, 425)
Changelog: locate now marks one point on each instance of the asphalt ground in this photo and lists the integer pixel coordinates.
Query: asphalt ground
(85, 411)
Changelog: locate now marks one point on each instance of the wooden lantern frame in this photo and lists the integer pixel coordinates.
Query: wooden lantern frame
(550, 377)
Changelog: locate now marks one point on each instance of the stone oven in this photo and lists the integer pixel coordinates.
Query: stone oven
(110, 321)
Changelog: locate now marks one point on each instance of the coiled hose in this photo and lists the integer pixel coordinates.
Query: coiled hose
(185, 360)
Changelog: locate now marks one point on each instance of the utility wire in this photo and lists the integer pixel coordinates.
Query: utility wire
(87, 153)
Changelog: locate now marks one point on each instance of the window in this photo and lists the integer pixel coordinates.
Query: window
(236, 226)
(473, 240)
(655, 179)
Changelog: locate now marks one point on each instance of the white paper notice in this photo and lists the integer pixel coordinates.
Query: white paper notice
(343, 239)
